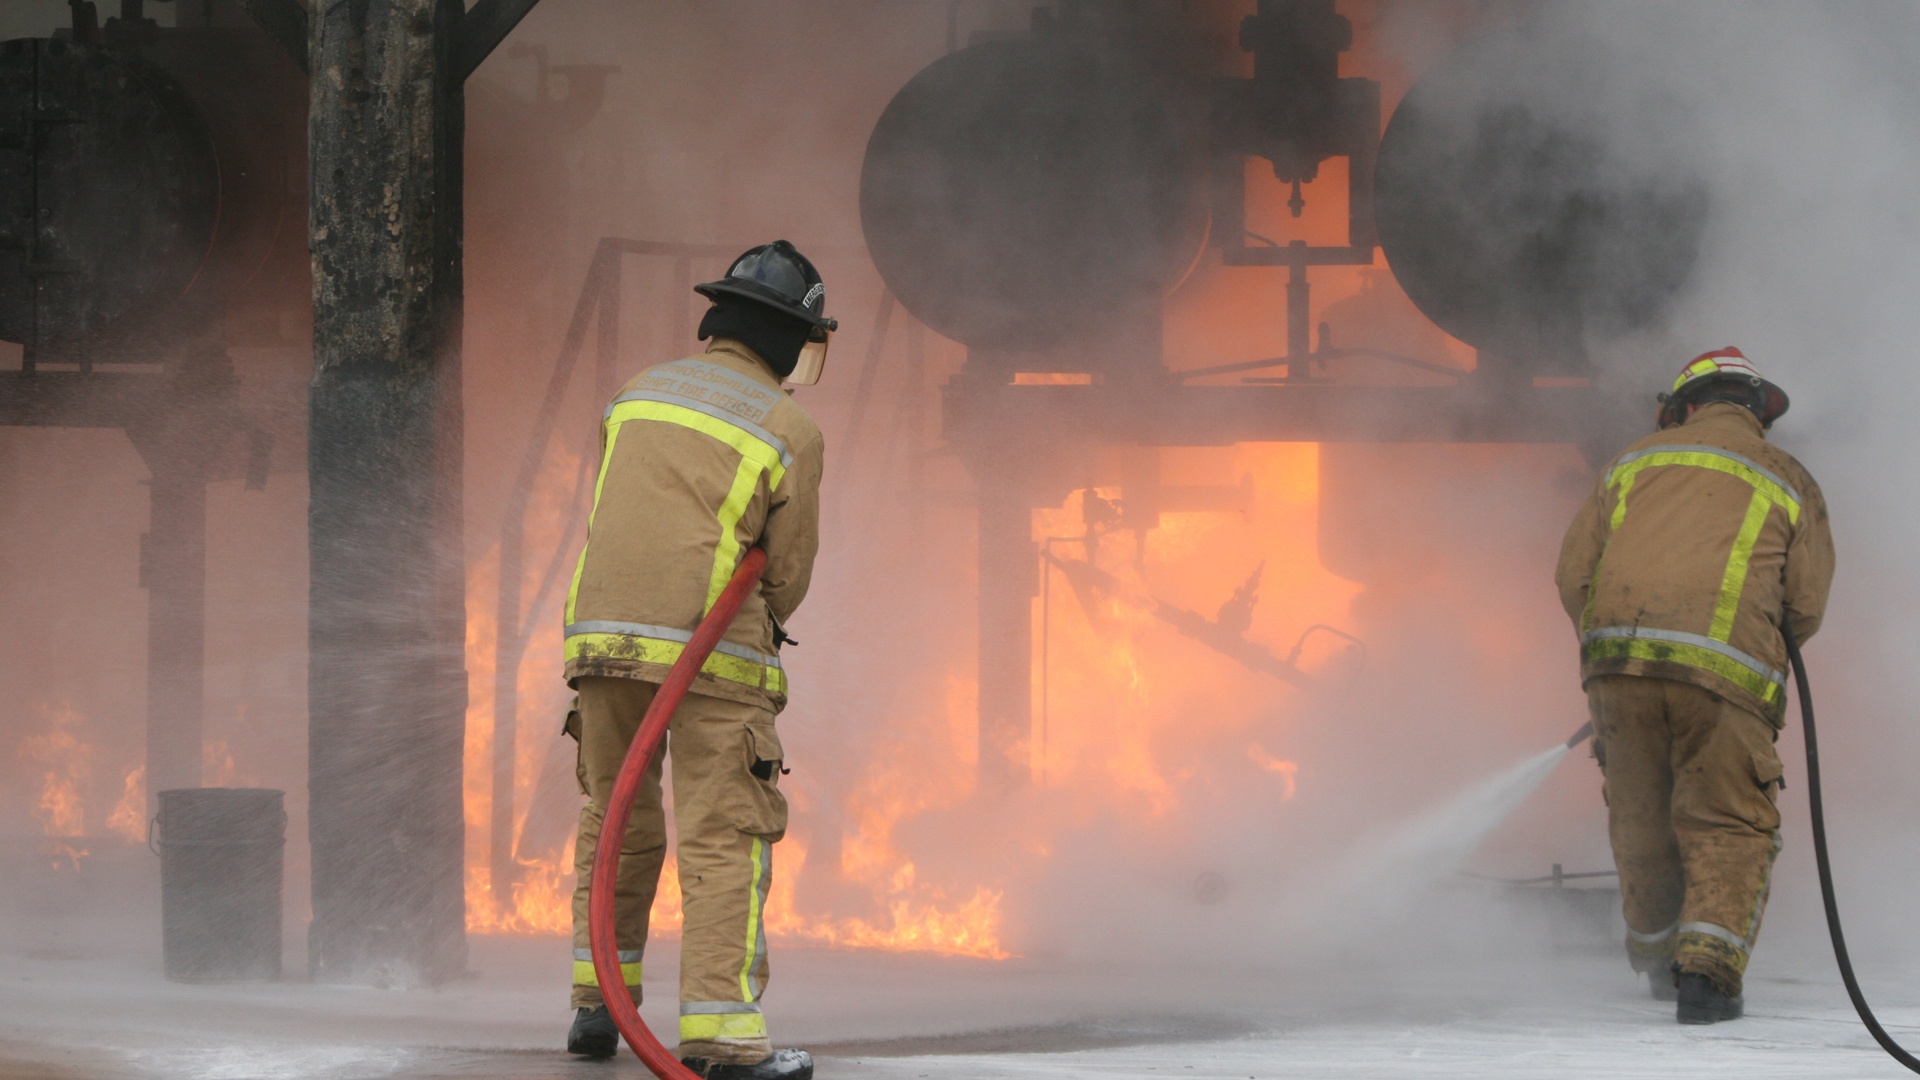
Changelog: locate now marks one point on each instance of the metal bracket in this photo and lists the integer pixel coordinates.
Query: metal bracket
(482, 30)
(285, 21)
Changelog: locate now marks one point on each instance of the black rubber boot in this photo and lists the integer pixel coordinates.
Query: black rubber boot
(1703, 1002)
(593, 1034)
(782, 1065)
(1661, 985)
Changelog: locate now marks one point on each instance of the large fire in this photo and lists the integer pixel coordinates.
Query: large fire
(61, 753)
(1131, 710)
(917, 916)
(1132, 717)
(1129, 714)
(905, 912)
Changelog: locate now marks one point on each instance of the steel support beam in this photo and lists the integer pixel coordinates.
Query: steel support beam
(104, 399)
(184, 428)
(1009, 581)
(1171, 414)
(173, 567)
(387, 616)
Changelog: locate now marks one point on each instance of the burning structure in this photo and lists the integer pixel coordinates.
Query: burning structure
(1150, 257)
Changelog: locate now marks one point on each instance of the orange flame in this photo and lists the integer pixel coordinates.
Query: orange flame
(1134, 712)
(923, 924)
(129, 817)
(918, 917)
(217, 765)
(1287, 771)
(66, 761)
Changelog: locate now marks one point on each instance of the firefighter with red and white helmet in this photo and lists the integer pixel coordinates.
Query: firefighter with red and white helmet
(1697, 545)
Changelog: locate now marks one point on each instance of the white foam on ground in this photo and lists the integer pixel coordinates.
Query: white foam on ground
(274, 1062)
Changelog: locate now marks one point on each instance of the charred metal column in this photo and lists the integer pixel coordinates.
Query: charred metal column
(387, 608)
(387, 681)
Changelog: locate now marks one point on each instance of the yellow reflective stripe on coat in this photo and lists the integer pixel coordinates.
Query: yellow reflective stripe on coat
(599, 482)
(1708, 653)
(708, 1020)
(726, 555)
(1734, 582)
(768, 455)
(1628, 469)
(585, 975)
(757, 457)
(761, 454)
(663, 645)
(1671, 646)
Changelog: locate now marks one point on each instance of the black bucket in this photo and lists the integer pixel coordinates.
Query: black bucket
(220, 866)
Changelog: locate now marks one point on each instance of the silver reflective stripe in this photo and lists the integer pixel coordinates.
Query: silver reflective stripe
(1679, 637)
(708, 1008)
(731, 380)
(1710, 930)
(779, 446)
(1654, 938)
(1739, 459)
(627, 956)
(666, 633)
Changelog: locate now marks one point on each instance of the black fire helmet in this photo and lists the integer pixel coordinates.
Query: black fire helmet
(781, 278)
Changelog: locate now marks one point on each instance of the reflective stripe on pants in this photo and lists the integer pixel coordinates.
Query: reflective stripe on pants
(726, 819)
(1690, 788)
(585, 975)
(708, 1021)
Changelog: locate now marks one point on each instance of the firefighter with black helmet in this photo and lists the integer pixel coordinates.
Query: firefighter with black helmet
(701, 459)
(1696, 547)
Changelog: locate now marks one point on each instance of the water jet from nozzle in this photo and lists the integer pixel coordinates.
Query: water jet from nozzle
(1388, 871)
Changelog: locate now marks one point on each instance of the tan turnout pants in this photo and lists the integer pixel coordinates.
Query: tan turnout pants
(728, 812)
(1690, 784)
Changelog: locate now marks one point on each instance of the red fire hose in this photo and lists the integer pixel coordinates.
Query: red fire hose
(606, 857)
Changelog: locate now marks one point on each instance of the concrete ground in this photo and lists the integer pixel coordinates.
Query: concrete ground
(82, 997)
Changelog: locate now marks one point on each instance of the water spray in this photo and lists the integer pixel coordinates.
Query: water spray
(653, 728)
(626, 787)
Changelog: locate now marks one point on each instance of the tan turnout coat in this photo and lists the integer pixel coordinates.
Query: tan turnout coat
(1693, 548)
(701, 459)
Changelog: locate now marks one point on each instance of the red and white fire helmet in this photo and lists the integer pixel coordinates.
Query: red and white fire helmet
(1730, 365)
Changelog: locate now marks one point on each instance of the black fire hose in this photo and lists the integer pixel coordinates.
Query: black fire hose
(1880, 1035)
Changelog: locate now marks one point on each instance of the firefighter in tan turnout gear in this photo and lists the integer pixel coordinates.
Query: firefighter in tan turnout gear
(1697, 545)
(701, 459)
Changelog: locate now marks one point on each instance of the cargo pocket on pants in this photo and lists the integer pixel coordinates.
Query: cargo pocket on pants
(761, 810)
(571, 730)
(1770, 776)
(1769, 773)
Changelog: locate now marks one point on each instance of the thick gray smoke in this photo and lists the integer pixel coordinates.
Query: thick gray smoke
(734, 121)
(1806, 134)
(1799, 124)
